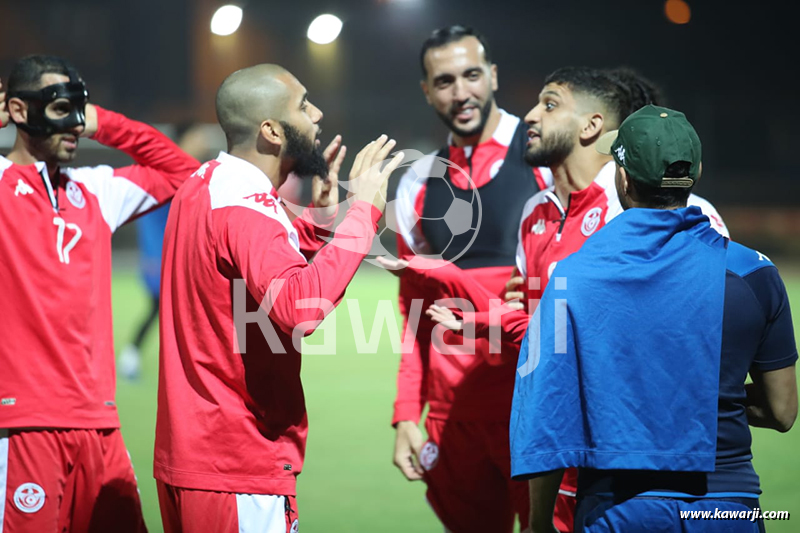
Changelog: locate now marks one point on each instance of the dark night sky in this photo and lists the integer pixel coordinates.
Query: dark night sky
(732, 69)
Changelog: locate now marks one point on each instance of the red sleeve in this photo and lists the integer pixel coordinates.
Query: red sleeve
(512, 326)
(160, 166)
(258, 248)
(412, 378)
(128, 192)
(312, 228)
(451, 282)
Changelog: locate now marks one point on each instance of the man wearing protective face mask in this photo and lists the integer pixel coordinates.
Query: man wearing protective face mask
(63, 465)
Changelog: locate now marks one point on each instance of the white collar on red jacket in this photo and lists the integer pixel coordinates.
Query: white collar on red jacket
(238, 183)
(247, 171)
(604, 179)
(503, 134)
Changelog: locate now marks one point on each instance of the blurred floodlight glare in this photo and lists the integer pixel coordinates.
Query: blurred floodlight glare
(226, 20)
(324, 29)
(677, 11)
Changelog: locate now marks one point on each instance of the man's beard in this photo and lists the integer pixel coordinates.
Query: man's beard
(553, 150)
(307, 156)
(449, 120)
(49, 150)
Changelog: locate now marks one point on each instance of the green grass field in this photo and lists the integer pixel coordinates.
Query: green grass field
(348, 482)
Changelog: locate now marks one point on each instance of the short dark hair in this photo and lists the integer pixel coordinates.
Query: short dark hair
(596, 83)
(27, 73)
(451, 34)
(639, 90)
(665, 198)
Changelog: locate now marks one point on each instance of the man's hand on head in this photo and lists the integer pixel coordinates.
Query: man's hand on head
(91, 121)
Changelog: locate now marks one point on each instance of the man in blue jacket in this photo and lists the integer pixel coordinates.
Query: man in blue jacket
(620, 372)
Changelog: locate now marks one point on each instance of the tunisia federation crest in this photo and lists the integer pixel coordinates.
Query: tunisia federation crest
(75, 195)
(29, 497)
(591, 221)
(429, 455)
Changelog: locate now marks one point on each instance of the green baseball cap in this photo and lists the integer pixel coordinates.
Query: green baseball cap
(649, 141)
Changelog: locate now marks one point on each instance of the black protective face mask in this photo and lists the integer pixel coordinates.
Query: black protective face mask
(39, 124)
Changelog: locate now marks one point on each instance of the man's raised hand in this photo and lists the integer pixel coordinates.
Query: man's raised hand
(513, 295)
(444, 316)
(368, 181)
(91, 121)
(396, 266)
(325, 192)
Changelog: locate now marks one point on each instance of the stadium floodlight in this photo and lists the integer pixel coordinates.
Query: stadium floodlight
(677, 11)
(226, 20)
(324, 29)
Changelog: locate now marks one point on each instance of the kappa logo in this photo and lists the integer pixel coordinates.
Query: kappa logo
(29, 497)
(620, 153)
(591, 221)
(22, 188)
(264, 199)
(295, 526)
(539, 227)
(429, 455)
(201, 172)
(75, 195)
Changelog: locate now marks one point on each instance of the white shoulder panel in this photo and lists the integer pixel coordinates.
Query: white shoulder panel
(605, 179)
(229, 189)
(119, 198)
(504, 134)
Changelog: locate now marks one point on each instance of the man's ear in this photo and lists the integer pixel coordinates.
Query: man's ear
(493, 72)
(593, 127)
(18, 110)
(272, 132)
(625, 182)
(424, 86)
